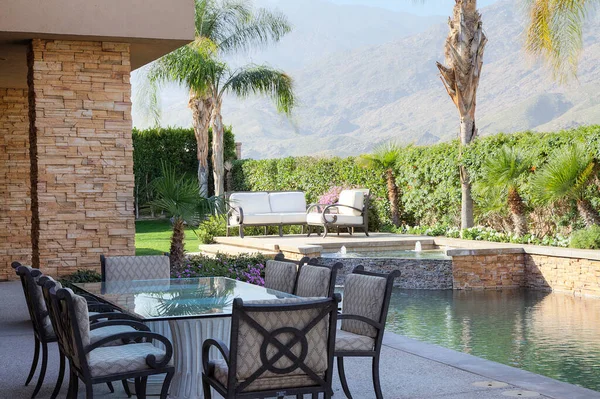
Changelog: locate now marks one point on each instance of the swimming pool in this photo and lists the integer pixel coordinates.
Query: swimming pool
(553, 334)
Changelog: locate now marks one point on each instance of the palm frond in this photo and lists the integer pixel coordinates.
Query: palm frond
(554, 33)
(264, 80)
(384, 156)
(504, 169)
(566, 175)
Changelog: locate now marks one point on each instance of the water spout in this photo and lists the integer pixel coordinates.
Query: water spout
(418, 246)
(343, 250)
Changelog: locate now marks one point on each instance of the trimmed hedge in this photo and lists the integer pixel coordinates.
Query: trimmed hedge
(428, 176)
(176, 146)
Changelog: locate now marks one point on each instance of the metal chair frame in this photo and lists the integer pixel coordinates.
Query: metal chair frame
(328, 225)
(379, 325)
(233, 390)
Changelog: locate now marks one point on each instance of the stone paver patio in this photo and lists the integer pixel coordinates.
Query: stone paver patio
(410, 369)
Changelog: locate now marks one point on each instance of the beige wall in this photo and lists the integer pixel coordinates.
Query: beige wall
(151, 19)
(15, 203)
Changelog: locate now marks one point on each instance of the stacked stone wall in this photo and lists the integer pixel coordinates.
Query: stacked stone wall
(82, 165)
(573, 275)
(15, 204)
(488, 271)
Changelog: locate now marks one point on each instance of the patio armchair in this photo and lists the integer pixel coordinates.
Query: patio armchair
(43, 328)
(278, 347)
(315, 280)
(134, 356)
(351, 211)
(280, 273)
(364, 312)
(100, 328)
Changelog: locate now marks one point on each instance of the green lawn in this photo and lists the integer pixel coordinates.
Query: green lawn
(153, 237)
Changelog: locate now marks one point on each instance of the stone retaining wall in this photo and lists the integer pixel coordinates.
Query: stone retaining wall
(577, 276)
(433, 274)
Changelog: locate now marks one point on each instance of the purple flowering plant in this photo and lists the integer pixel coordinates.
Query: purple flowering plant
(248, 268)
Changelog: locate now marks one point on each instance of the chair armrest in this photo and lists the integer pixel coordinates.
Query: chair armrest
(342, 205)
(364, 319)
(112, 316)
(101, 307)
(134, 324)
(220, 345)
(136, 335)
(311, 206)
(239, 211)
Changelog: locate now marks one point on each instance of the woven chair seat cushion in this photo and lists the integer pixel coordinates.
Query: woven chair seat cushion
(347, 341)
(218, 370)
(99, 333)
(109, 360)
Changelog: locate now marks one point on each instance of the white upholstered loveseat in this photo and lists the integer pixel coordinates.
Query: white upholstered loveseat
(266, 208)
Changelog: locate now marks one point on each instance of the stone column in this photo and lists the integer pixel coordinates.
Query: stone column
(15, 204)
(81, 153)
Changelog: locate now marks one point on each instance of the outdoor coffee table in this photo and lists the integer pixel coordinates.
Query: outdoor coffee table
(194, 309)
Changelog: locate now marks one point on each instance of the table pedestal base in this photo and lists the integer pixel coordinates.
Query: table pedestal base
(188, 336)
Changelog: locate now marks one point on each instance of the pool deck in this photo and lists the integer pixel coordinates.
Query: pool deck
(298, 245)
(409, 368)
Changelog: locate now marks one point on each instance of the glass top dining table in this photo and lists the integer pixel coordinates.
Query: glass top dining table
(181, 298)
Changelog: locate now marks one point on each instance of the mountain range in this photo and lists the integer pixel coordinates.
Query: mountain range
(365, 75)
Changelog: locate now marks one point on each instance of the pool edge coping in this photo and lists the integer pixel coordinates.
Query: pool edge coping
(489, 369)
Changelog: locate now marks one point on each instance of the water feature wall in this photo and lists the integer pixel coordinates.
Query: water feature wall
(432, 274)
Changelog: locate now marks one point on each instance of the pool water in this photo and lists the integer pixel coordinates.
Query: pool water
(553, 334)
(400, 254)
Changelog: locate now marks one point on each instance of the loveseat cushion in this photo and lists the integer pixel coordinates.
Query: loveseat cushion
(259, 218)
(293, 217)
(286, 202)
(251, 203)
(315, 218)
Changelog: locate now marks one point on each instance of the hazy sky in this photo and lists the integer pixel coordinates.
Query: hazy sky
(419, 7)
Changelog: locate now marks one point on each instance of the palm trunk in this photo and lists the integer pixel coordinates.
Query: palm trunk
(201, 107)
(517, 210)
(393, 196)
(587, 212)
(464, 58)
(217, 147)
(177, 253)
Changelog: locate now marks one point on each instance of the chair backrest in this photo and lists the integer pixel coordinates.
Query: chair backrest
(280, 275)
(354, 198)
(251, 202)
(315, 280)
(281, 338)
(73, 325)
(36, 306)
(128, 268)
(287, 201)
(47, 284)
(367, 296)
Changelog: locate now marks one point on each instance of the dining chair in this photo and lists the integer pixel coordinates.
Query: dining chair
(315, 280)
(280, 273)
(278, 347)
(120, 323)
(127, 268)
(364, 312)
(94, 362)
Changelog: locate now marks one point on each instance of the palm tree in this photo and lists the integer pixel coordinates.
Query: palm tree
(464, 58)
(503, 171)
(179, 197)
(222, 27)
(566, 176)
(386, 157)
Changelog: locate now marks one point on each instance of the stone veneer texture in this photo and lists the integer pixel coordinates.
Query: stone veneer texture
(577, 276)
(488, 271)
(15, 204)
(82, 153)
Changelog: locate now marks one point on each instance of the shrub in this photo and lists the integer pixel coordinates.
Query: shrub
(81, 276)
(588, 238)
(248, 268)
(331, 196)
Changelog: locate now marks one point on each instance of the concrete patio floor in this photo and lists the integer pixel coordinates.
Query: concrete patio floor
(409, 369)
